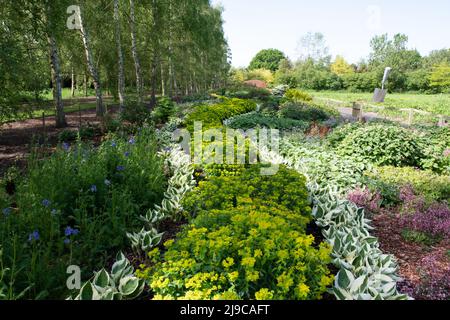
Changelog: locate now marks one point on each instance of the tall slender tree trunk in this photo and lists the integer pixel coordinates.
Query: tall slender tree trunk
(137, 62)
(92, 69)
(85, 84)
(154, 81)
(155, 59)
(72, 93)
(121, 86)
(57, 82)
(163, 81)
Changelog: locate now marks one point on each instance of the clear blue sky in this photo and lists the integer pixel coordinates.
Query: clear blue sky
(348, 25)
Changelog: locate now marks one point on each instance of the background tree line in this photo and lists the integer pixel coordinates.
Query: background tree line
(316, 70)
(133, 50)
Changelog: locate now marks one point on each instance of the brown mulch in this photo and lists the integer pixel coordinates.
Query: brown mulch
(410, 255)
(16, 138)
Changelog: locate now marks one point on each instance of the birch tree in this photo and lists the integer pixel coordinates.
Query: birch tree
(121, 85)
(91, 66)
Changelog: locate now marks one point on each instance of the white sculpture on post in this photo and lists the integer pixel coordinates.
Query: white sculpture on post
(380, 94)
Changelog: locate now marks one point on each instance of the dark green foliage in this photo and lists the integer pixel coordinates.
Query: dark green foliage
(384, 145)
(258, 119)
(304, 112)
(213, 116)
(163, 110)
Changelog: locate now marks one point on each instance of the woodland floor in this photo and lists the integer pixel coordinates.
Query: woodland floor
(16, 138)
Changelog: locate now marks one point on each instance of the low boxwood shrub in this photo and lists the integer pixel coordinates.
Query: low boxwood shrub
(384, 145)
(247, 241)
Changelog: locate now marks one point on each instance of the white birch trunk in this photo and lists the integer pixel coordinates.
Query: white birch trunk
(137, 62)
(121, 86)
(91, 67)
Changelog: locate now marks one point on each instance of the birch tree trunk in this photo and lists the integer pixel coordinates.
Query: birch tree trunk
(92, 69)
(85, 83)
(137, 62)
(57, 82)
(121, 86)
(72, 93)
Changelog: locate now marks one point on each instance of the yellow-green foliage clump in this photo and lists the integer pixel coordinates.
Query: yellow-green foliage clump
(247, 241)
(212, 116)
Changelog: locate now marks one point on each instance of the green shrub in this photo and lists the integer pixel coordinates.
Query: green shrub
(336, 136)
(135, 113)
(212, 116)
(384, 145)
(429, 184)
(163, 110)
(296, 95)
(284, 188)
(84, 132)
(246, 242)
(246, 92)
(303, 112)
(436, 149)
(257, 119)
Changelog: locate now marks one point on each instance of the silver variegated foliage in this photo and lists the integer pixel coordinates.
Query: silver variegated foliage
(119, 284)
(366, 273)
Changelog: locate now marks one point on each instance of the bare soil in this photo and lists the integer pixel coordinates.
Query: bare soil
(411, 256)
(16, 138)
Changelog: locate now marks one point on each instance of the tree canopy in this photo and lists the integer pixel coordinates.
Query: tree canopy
(267, 59)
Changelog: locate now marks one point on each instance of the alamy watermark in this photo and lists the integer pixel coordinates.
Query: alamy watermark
(73, 21)
(229, 146)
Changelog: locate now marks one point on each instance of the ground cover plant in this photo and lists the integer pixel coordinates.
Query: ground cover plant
(74, 208)
(257, 233)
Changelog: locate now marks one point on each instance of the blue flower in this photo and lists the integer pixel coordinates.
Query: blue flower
(93, 188)
(66, 241)
(71, 232)
(33, 236)
(6, 212)
(120, 168)
(132, 140)
(66, 146)
(107, 182)
(46, 203)
(127, 154)
(113, 144)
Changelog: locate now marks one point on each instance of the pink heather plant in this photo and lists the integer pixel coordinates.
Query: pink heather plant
(411, 202)
(434, 221)
(435, 283)
(364, 198)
